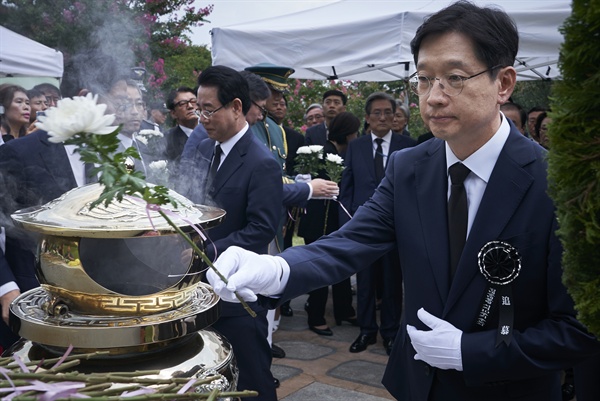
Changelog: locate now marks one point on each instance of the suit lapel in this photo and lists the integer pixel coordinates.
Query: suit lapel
(233, 162)
(431, 187)
(508, 184)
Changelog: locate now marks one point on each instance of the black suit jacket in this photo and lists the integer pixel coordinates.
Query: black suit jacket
(409, 210)
(175, 139)
(248, 186)
(358, 179)
(316, 135)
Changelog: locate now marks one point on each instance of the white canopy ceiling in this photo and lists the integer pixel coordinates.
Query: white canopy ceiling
(370, 40)
(23, 57)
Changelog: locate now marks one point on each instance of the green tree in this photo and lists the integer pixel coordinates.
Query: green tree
(574, 158)
(138, 32)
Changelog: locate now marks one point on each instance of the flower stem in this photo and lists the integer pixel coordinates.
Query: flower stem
(206, 260)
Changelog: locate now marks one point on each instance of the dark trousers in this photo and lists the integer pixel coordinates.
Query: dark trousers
(248, 338)
(391, 297)
(317, 300)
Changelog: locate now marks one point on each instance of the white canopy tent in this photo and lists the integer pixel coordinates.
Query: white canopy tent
(23, 57)
(370, 40)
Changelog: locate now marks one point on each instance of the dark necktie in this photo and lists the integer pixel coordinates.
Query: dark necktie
(215, 163)
(379, 170)
(457, 213)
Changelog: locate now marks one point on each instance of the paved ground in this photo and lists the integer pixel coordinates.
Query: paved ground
(321, 368)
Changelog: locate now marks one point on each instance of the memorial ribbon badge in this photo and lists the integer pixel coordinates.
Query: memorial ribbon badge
(500, 264)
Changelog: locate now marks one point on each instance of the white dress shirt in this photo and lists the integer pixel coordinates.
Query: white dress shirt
(481, 163)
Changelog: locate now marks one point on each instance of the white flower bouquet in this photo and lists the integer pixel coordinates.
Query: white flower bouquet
(308, 160)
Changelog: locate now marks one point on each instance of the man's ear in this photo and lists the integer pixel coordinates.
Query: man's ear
(507, 78)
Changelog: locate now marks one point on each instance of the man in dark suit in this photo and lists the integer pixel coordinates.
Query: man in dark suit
(360, 178)
(182, 104)
(244, 179)
(486, 314)
(334, 102)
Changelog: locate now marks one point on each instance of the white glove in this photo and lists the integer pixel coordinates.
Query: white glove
(303, 178)
(247, 273)
(439, 347)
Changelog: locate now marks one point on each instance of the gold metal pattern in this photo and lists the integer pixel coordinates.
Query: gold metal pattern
(105, 331)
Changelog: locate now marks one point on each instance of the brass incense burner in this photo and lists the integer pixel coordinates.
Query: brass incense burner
(120, 279)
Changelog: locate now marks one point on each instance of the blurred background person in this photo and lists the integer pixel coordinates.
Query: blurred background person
(541, 129)
(17, 111)
(321, 218)
(314, 115)
(156, 117)
(401, 117)
(532, 116)
(38, 104)
(516, 114)
(51, 92)
(183, 107)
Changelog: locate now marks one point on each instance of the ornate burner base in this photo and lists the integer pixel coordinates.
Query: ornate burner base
(30, 320)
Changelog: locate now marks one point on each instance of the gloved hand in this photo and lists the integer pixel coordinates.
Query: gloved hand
(247, 273)
(438, 347)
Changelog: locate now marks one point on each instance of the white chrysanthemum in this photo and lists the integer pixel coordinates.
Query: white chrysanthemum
(334, 158)
(315, 148)
(158, 165)
(303, 150)
(141, 138)
(74, 116)
(150, 132)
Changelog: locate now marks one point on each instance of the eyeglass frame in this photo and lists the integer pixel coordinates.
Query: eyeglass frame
(182, 103)
(208, 114)
(442, 87)
(261, 108)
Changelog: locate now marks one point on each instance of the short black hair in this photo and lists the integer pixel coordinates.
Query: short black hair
(230, 85)
(341, 126)
(173, 94)
(258, 88)
(33, 92)
(493, 32)
(536, 109)
(335, 92)
(379, 96)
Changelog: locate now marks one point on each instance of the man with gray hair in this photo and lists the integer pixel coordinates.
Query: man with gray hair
(314, 115)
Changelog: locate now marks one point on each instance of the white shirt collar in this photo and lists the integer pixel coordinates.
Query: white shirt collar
(483, 160)
(187, 131)
(386, 138)
(227, 145)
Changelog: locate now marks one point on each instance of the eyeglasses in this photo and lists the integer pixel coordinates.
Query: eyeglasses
(314, 117)
(261, 108)
(450, 84)
(379, 113)
(183, 103)
(124, 106)
(208, 114)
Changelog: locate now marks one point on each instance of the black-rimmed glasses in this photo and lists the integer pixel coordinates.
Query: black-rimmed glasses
(450, 84)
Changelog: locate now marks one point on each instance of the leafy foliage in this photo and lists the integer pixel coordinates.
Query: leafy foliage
(574, 158)
(138, 32)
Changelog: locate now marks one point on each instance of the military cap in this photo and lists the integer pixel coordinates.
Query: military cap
(275, 76)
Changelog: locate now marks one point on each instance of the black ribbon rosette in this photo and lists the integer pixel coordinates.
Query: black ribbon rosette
(500, 264)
